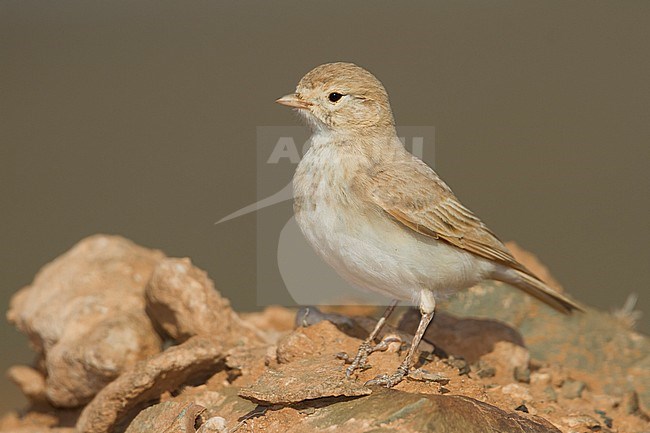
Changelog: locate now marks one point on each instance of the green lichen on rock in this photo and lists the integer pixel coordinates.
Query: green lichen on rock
(593, 342)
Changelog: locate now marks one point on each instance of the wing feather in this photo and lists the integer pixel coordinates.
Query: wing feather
(413, 194)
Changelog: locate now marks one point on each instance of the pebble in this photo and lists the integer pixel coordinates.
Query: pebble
(425, 376)
(522, 374)
(460, 364)
(609, 422)
(522, 408)
(582, 422)
(517, 391)
(572, 389)
(550, 393)
(215, 424)
(484, 369)
(632, 403)
(538, 378)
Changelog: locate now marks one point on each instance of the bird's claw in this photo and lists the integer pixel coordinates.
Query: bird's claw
(344, 357)
(383, 345)
(359, 361)
(388, 381)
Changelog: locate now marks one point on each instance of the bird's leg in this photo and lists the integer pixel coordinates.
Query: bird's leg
(366, 348)
(427, 308)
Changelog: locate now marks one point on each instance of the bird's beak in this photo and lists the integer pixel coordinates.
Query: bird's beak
(293, 101)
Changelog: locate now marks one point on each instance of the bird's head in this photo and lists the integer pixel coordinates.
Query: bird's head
(341, 97)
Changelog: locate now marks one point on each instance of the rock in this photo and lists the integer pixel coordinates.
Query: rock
(273, 322)
(198, 357)
(468, 338)
(522, 408)
(40, 429)
(308, 316)
(427, 376)
(357, 327)
(304, 379)
(214, 425)
(292, 381)
(522, 374)
(246, 364)
(518, 392)
(35, 422)
(540, 378)
(167, 417)
(323, 338)
(459, 363)
(632, 406)
(308, 368)
(603, 402)
(30, 381)
(510, 361)
(84, 314)
(572, 389)
(224, 403)
(388, 410)
(483, 369)
(294, 346)
(182, 299)
(581, 423)
(593, 343)
(550, 394)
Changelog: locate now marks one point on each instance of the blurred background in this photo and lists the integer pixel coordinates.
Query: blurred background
(139, 118)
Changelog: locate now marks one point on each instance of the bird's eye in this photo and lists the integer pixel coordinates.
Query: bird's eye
(334, 97)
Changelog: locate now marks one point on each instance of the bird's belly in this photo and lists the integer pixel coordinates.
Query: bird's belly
(371, 250)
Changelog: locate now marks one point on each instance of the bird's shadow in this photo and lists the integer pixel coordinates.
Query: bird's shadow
(462, 337)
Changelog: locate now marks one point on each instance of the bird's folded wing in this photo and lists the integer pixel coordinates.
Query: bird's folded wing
(413, 194)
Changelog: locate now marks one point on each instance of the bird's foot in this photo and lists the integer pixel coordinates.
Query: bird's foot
(360, 362)
(390, 381)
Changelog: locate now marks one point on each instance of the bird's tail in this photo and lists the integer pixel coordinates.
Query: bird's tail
(538, 289)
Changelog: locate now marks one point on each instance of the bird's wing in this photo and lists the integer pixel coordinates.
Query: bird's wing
(412, 193)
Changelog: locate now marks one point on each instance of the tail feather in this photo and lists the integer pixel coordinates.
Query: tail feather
(538, 289)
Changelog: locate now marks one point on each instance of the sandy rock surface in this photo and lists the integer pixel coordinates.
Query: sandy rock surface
(84, 315)
(491, 361)
(183, 301)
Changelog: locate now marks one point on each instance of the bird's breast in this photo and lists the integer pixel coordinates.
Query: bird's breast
(361, 241)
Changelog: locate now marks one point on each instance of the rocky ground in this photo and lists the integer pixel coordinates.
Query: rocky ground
(128, 340)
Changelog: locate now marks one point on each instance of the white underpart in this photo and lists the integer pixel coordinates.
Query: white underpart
(367, 247)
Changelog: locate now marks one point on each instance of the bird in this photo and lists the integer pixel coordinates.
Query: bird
(381, 217)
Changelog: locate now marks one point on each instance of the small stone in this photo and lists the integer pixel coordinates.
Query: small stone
(510, 361)
(459, 363)
(310, 410)
(215, 424)
(517, 391)
(572, 389)
(522, 408)
(605, 402)
(632, 403)
(607, 420)
(169, 416)
(582, 422)
(30, 381)
(539, 378)
(425, 376)
(550, 393)
(484, 370)
(522, 374)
